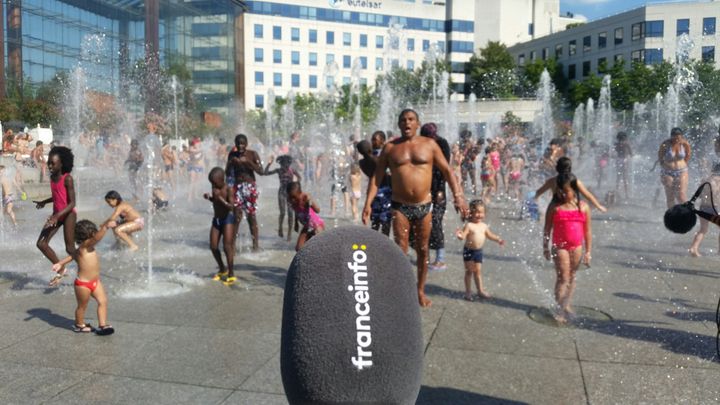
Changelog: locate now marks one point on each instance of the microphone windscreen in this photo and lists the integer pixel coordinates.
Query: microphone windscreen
(351, 327)
(680, 218)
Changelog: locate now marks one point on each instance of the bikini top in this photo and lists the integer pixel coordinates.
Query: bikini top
(670, 154)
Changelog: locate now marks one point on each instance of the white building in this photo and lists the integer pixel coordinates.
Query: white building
(648, 34)
(515, 21)
(288, 44)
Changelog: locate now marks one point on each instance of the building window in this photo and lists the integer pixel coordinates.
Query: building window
(637, 31)
(277, 56)
(330, 38)
(379, 41)
(619, 59)
(586, 68)
(441, 45)
(708, 54)
(258, 31)
(363, 40)
(653, 56)
(295, 57)
(558, 51)
(277, 79)
(602, 40)
(532, 55)
(531, 29)
(259, 101)
(426, 45)
(312, 80)
(346, 80)
(411, 65)
(545, 53)
(277, 32)
(571, 72)
(347, 39)
(363, 62)
(346, 62)
(259, 78)
(572, 47)
(295, 80)
(329, 58)
(602, 65)
(259, 55)
(395, 63)
(619, 33)
(363, 81)
(654, 29)
(312, 58)
(312, 36)
(683, 26)
(379, 64)
(295, 34)
(411, 44)
(709, 26)
(587, 44)
(636, 56)
(329, 81)
(521, 59)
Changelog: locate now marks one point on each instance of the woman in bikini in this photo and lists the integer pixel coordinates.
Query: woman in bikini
(673, 156)
(125, 220)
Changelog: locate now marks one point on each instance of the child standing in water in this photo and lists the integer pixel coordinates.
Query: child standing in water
(569, 222)
(60, 164)
(306, 212)
(356, 189)
(286, 175)
(564, 166)
(87, 283)
(223, 224)
(474, 233)
(709, 198)
(125, 220)
(8, 197)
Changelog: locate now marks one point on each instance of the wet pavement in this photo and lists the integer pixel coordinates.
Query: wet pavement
(645, 330)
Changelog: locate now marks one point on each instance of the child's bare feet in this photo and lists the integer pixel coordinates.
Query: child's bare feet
(560, 317)
(483, 295)
(694, 252)
(424, 301)
(133, 248)
(468, 297)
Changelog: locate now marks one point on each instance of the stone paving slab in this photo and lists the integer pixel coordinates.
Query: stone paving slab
(31, 384)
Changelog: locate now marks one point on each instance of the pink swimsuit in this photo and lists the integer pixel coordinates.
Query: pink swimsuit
(59, 195)
(568, 229)
(309, 218)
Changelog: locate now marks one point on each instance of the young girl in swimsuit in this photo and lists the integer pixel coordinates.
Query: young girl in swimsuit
(487, 177)
(62, 186)
(125, 220)
(569, 222)
(286, 175)
(356, 189)
(306, 212)
(674, 155)
(87, 283)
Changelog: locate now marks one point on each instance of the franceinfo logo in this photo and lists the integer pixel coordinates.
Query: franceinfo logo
(361, 295)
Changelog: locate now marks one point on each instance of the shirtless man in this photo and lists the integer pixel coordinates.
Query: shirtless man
(410, 159)
(242, 164)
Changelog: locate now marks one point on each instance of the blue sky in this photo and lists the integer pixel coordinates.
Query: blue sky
(596, 9)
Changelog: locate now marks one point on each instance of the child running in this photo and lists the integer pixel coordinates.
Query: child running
(125, 220)
(286, 175)
(306, 212)
(8, 197)
(223, 224)
(708, 200)
(87, 283)
(474, 233)
(569, 222)
(62, 186)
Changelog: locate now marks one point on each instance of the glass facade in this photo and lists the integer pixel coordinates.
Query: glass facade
(107, 38)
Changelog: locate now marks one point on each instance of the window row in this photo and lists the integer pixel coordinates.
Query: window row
(353, 17)
(347, 40)
(347, 60)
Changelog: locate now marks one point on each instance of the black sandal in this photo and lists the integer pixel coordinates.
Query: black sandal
(104, 330)
(84, 328)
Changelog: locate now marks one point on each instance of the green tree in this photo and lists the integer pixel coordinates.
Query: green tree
(492, 72)
(532, 71)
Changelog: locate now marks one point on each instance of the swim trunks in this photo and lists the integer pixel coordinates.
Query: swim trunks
(472, 255)
(8, 199)
(90, 285)
(246, 196)
(219, 223)
(412, 211)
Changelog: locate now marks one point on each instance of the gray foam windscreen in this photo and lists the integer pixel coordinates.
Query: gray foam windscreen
(351, 328)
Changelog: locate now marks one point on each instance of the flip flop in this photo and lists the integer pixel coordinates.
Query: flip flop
(220, 275)
(104, 330)
(230, 281)
(84, 328)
